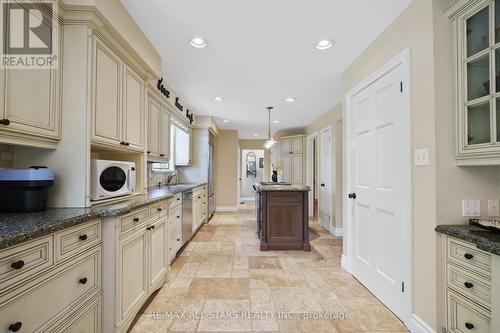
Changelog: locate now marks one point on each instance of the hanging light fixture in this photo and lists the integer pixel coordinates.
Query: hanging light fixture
(270, 141)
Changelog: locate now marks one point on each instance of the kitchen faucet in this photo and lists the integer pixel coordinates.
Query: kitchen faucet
(174, 174)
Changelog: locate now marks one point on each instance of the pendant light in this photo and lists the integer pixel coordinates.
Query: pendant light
(270, 141)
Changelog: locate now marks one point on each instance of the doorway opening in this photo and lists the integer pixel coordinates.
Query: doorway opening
(251, 171)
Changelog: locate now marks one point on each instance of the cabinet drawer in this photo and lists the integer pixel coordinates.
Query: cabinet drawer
(175, 217)
(470, 285)
(72, 241)
(25, 261)
(158, 211)
(175, 200)
(63, 291)
(464, 317)
(137, 218)
(87, 320)
(467, 255)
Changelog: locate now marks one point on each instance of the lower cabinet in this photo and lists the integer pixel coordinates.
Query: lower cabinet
(135, 263)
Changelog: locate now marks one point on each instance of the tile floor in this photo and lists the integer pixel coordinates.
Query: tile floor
(222, 283)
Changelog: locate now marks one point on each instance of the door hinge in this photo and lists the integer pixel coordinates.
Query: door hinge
(401, 86)
(402, 287)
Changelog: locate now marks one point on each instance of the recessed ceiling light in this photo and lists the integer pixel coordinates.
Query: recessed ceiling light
(324, 44)
(290, 100)
(255, 135)
(218, 99)
(225, 121)
(276, 121)
(198, 42)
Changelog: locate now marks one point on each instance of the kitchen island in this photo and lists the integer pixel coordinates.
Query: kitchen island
(282, 217)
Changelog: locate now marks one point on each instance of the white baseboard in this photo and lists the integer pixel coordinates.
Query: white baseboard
(247, 199)
(338, 232)
(226, 209)
(345, 263)
(417, 325)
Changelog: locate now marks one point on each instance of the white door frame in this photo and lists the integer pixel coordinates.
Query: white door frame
(401, 59)
(310, 139)
(331, 227)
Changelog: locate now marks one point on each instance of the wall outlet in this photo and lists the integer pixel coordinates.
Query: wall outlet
(493, 208)
(421, 157)
(471, 208)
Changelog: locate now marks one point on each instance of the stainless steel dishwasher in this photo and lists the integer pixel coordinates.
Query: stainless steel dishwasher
(187, 216)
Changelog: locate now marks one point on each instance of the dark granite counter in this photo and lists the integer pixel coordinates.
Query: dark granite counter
(484, 239)
(21, 227)
(281, 188)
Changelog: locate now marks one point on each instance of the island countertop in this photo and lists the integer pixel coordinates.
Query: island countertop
(486, 240)
(17, 228)
(281, 187)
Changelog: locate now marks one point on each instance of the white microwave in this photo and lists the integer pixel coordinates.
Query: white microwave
(111, 179)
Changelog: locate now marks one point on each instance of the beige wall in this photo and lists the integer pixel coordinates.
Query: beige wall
(333, 118)
(226, 169)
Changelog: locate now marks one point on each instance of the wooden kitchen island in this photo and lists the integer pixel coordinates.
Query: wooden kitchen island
(282, 217)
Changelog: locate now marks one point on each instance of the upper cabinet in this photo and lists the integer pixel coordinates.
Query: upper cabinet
(118, 101)
(182, 145)
(30, 105)
(158, 129)
(477, 57)
(292, 159)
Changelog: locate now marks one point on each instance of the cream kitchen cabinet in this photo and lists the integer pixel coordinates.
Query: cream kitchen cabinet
(292, 159)
(30, 105)
(135, 260)
(199, 207)
(117, 106)
(158, 129)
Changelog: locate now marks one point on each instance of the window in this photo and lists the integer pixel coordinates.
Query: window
(181, 144)
(161, 167)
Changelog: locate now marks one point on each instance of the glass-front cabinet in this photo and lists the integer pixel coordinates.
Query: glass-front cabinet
(477, 58)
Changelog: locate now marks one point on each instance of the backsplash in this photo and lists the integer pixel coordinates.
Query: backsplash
(6, 159)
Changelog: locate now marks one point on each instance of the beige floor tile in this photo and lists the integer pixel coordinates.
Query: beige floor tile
(264, 263)
(219, 288)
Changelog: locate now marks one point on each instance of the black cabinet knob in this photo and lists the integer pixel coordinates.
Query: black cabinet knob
(136, 219)
(18, 264)
(468, 285)
(152, 227)
(352, 195)
(148, 228)
(469, 326)
(127, 144)
(5, 122)
(122, 143)
(83, 280)
(83, 237)
(148, 152)
(468, 256)
(178, 239)
(15, 327)
(162, 155)
(322, 185)
(159, 209)
(178, 199)
(178, 216)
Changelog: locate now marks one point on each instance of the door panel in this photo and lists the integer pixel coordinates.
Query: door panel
(164, 134)
(378, 219)
(158, 252)
(286, 168)
(325, 180)
(285, 147)
(133, 109)
(154, 128)
(107, 123)
(297, 146)
(297, 169)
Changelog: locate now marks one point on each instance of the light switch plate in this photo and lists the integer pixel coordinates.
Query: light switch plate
(493, 208)
(421, 156)
(471, 208)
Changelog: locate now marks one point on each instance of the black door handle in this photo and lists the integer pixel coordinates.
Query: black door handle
(352, 195)
(15, 327)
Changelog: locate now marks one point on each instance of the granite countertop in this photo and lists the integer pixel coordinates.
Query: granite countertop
(17, 228)
(281, 188)
(486, 240)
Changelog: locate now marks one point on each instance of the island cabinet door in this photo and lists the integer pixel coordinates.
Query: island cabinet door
(285, 213)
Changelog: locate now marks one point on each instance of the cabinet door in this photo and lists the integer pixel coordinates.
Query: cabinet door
(297, 169)
(132, 272)
(286, 168)
(164, 134)
(154, 128)
(195, 213)
(133, 115)
(157, 252)
(297, 146)
(285, 147)
(106, 123)
(175, 240)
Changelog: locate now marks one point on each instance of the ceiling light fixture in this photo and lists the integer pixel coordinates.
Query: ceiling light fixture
(276, 121)
(256, 134)
(225, 121)
(218, 99)
(290, 100)
(198, 42)
(324, 44)
(270, 141)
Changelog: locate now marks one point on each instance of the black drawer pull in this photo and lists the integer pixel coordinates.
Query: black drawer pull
(469, 326)
(178, 217)
(152, 227)
(159, 209)
(15, 327)
(468, 256)
(83, 280)
(127, 144)
(148, 228)
(178, 239)
(122, 143)
(178, 199)
(162, 155)
(352, 195)
(136, 219)
(18, 264)
(468, 285)
(83, 237)
(5, 122)
(148, 152)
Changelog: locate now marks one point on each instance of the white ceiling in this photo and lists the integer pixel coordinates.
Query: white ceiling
(260, 52)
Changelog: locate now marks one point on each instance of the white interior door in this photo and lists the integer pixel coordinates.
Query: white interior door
(379, 184)
(325, 179)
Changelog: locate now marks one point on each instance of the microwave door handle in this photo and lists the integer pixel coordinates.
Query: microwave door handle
(128, 179)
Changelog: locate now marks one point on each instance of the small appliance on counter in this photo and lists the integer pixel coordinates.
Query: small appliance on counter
(488, 223)
(111, 179)
(25, 190)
